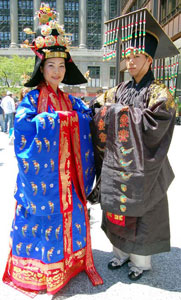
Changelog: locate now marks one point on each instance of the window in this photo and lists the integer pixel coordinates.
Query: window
(4, 4)
(137, 5)
(94, 73)
(71, 20)
(52, 4)
(94, 24)
(112, 76)
(171, 5)
(163, 9)
(25, 18)
(178, 89)
(168, 9)
(4, 39)
(4, 24)
(113, 9)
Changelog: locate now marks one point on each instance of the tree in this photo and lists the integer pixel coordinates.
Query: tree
(11, 70)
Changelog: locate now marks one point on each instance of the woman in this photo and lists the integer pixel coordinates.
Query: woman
(50, 232)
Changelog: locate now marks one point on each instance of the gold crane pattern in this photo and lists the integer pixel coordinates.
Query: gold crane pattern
(52, 163)
(25, 165)
(87, 155)
(34, 188)
(57, 231)
(43, 186)
(80, 207)
(48, 232)
(78, 226)
(38, 144)
(28, 249)
(52, 122)
(18, 209)
(42, 122)
(23, 142)
(35, 229)
(18, 248)
(51, 206)
(79, 244)
(36, 166)
(47, 144)
(50, 253)
(33, 101)
(33, 207)
(86, 173)
(24, 230)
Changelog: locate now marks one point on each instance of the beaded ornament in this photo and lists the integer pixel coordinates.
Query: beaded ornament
(47, 20)
(133, 25)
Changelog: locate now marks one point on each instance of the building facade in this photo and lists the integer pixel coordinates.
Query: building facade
(84, 19)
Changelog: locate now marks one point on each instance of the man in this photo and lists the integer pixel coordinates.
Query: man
(8, 107)
(132, 135)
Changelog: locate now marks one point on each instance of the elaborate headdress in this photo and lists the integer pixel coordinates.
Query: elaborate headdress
(140, 32)
(51, 41)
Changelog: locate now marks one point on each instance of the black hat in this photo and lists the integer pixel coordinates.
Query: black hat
(138, 30)
(150, 47)
(51, 41)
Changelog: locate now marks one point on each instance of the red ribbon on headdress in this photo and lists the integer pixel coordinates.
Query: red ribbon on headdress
(41, 56)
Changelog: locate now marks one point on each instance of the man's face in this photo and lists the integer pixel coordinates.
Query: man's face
(138, 65)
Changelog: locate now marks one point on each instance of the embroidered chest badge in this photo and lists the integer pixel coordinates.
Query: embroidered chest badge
(101, 125)
(123, 135)
(124, 120)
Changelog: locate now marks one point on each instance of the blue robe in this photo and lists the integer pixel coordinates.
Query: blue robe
(56, 170)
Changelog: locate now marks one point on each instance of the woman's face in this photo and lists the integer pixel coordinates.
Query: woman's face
(54, 71)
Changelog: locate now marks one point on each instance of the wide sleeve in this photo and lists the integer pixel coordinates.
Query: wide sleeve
(79, 106)
(135, 172)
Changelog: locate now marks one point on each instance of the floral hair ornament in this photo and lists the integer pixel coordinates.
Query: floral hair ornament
(45, 36)
(45, 14)
(51, 41)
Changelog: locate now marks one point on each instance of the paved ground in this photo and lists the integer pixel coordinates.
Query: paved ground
(162, 283)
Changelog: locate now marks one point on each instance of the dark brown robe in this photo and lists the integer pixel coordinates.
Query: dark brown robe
(132, 137)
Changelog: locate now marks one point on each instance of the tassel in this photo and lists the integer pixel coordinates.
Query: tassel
(144, 32)
(136, 33)
(140, 32)
(122, 38)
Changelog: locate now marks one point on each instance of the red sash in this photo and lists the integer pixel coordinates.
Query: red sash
(69, 152)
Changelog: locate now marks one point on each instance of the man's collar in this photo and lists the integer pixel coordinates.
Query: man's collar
(146, 78)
